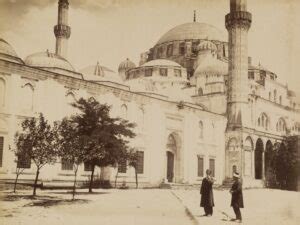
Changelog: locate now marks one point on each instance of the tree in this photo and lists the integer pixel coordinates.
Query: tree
(105, 138)
(21, 156)
(281, 164)
(133, 157)
(285, 164)
(70, 146)
(38, 140)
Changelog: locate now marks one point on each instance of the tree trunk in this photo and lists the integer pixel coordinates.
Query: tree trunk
(35, 182)
(92, 179)
(74, 185)
(16, 181)
(116, 178)
(136, 178)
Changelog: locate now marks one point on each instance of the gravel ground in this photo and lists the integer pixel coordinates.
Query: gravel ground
(262, 207)
(105, 207)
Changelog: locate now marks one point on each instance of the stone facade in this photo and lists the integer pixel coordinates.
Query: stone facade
(198, 102)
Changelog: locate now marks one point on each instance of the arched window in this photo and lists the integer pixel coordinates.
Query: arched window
(200, 91)
(263, 121)
(232, 144)
(124, 111)
(2, 92)
(70, 98)
(270, 96)
(280, 100)
(200, 129)
(92, 99)
(27, 97)
(275, 95)
(281, 126)
(140, 118)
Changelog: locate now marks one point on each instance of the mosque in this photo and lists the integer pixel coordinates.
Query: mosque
(197, 100)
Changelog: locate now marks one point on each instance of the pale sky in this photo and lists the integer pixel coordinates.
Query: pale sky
(109, 31)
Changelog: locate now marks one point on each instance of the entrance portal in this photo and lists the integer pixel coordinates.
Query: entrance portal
(170, 166)
(174, 167)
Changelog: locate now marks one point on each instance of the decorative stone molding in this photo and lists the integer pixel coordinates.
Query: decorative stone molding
(240, 19)
(62, 31)
(63, 4)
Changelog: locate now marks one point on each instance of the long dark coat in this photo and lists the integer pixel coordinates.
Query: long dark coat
(207, 197)
(237, 195)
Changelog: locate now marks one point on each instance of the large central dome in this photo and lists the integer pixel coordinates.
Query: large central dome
(194, 31)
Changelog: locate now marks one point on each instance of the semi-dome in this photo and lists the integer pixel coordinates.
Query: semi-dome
(126, 65)
(161, 62)
(194, 30)
(211, 66)
(206, 45)
(47, 60)
(8, 53)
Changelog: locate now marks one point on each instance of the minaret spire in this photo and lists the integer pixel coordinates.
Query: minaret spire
(62, 31)
(237, 23)
(194, 15)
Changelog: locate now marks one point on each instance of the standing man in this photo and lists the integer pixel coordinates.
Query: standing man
(207, 198)
(237, 197)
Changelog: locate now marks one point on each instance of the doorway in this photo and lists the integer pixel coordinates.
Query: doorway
(170, 166)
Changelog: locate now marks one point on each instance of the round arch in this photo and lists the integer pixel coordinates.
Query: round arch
(258, 159)
(232, 156)
(268, 160)
(174, 158)
(248, 151)
(27, 96)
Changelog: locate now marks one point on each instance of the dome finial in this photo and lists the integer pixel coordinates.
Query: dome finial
(98, 70)
(194, 15)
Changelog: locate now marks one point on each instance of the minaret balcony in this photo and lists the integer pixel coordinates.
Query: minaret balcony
(61, 30)
(243, 18)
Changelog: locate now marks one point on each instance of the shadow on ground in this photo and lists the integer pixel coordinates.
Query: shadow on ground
(80, 193)
(17, 197)
(42, 200)
(55, 202)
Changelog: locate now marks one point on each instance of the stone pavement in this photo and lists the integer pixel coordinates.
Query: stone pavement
(105, 207)
(262, 207)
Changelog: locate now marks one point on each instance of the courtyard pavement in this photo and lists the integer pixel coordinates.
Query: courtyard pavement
(145, 207)
(103, 207)
(262, 207)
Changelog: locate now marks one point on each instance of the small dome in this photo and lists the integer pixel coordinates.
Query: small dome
(47, 60)
(193, 31)
(206, 45)
(97, 72)
(8, 53)
(126, 65)
(161, 62)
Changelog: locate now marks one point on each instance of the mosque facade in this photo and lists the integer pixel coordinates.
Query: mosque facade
(198, 101)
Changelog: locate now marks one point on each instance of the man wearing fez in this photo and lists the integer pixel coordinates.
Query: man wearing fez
(237, 197)
(207, 198)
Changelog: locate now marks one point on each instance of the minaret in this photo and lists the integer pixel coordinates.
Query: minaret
(62, 31)
(237, 22)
